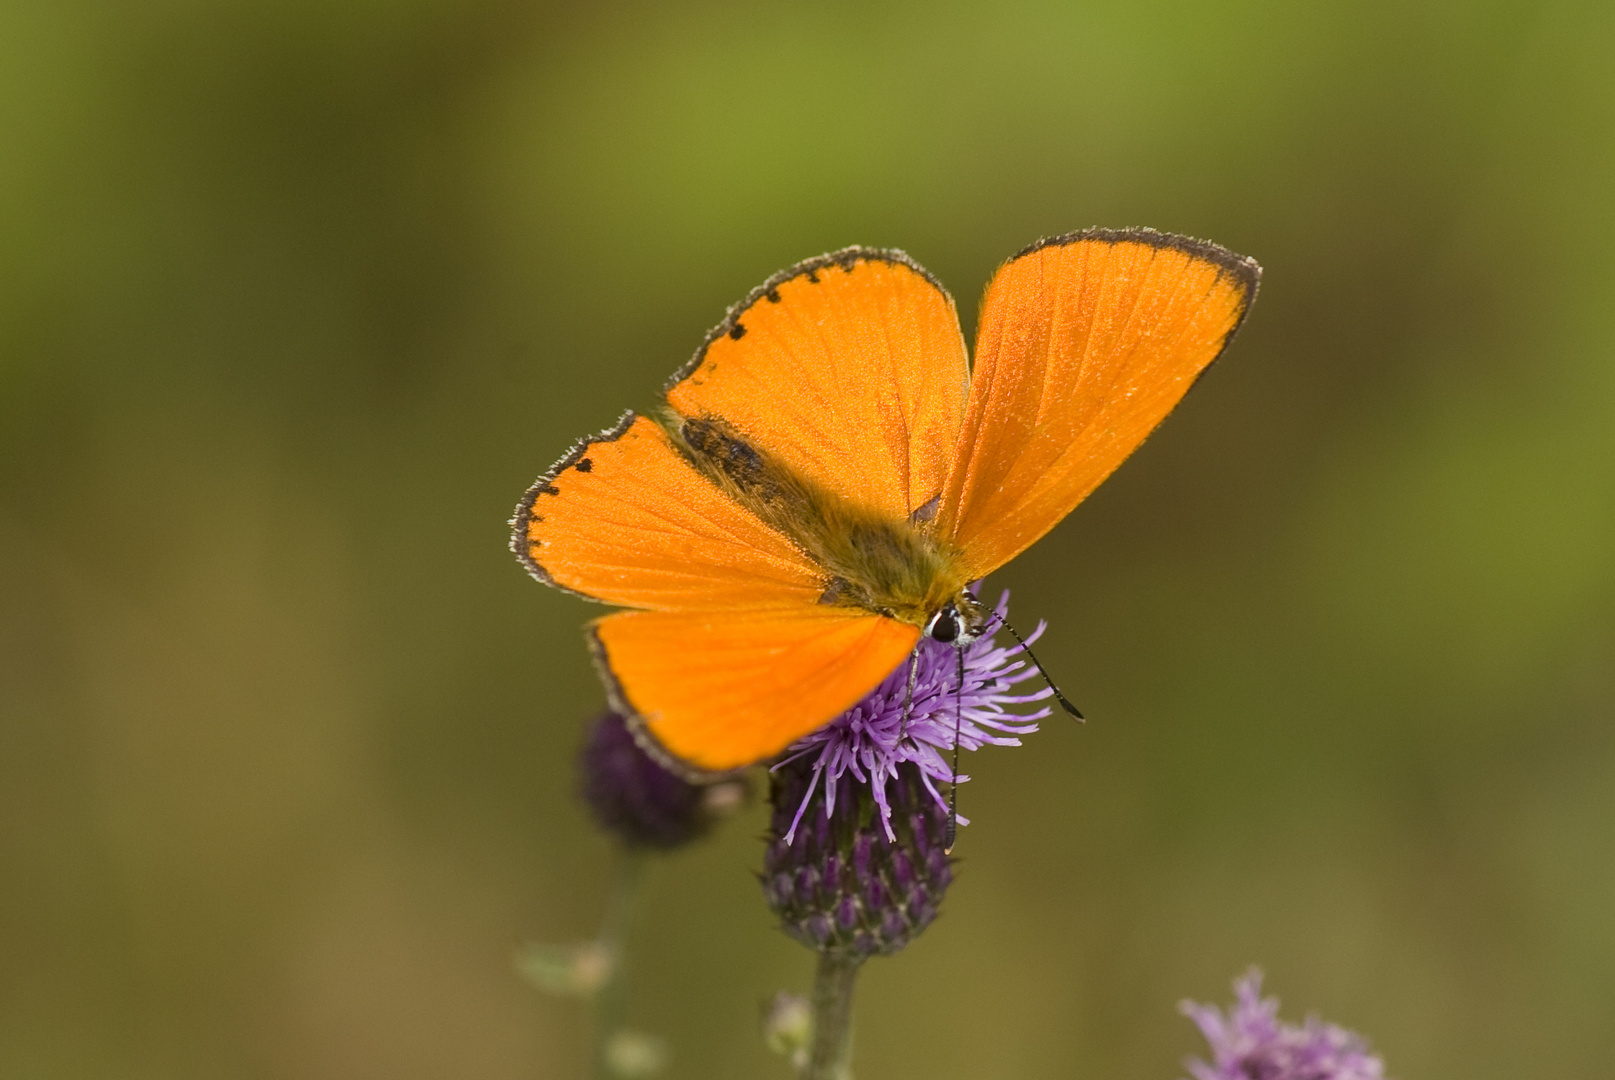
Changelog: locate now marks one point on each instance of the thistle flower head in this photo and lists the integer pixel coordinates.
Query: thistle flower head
(887, 729)
(842, 886)
(1250, 1043)
(857, 861)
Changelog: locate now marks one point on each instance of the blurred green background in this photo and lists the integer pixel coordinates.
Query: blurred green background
(297, 297)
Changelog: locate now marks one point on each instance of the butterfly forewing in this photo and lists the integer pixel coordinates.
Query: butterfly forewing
(624, 518)
(1086, 342)
(848, 369)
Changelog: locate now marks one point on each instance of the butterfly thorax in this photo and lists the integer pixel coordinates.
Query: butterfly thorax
(897, 568)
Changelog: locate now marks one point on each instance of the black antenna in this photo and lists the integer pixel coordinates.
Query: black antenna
(1061, 698)
(951, 833)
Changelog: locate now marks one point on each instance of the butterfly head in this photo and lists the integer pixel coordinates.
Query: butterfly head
(960, 621)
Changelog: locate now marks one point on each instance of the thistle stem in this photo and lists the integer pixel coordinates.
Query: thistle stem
(831, 1056)
(610, 999)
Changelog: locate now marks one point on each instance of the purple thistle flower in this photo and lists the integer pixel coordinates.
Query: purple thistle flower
(871, 739)
(1250, 1043)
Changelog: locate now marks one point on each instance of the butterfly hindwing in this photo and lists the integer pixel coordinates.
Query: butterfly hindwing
(848, 369)
(1086, 342)
(723, 691)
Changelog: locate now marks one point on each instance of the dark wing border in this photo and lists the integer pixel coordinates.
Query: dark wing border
(1240, 268)
(544, 485)
(618, 700)
(846, 259)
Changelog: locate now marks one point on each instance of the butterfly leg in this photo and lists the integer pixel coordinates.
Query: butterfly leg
(908, 698)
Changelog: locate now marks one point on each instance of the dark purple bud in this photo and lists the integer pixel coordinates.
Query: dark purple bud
(874, 892)
(924, 842)
(638, 801)
(847, 913)
(902, 871)
(819, 930)
(821, 832)
(861, 846)
(832, 874)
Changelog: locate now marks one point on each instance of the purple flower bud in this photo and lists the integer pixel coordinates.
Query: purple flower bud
(638, 801)
(832, 874)
(875, 894)
(862, 846)
(902, 871)
(818, 930)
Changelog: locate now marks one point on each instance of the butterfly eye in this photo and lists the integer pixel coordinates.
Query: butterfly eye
(944, 626)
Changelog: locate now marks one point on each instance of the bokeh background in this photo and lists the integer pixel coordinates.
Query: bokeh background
(297, 297)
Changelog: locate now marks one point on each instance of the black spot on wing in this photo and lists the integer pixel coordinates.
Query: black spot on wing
(523, 545)
(737, 331)
(808, 270)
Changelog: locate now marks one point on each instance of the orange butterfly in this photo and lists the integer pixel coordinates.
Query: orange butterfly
(828, 473)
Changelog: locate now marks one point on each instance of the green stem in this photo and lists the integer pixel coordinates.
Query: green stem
(610, 999)
(831, 1056)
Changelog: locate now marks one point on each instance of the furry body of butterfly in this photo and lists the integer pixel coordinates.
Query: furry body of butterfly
(828, 473)
(895, 568)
